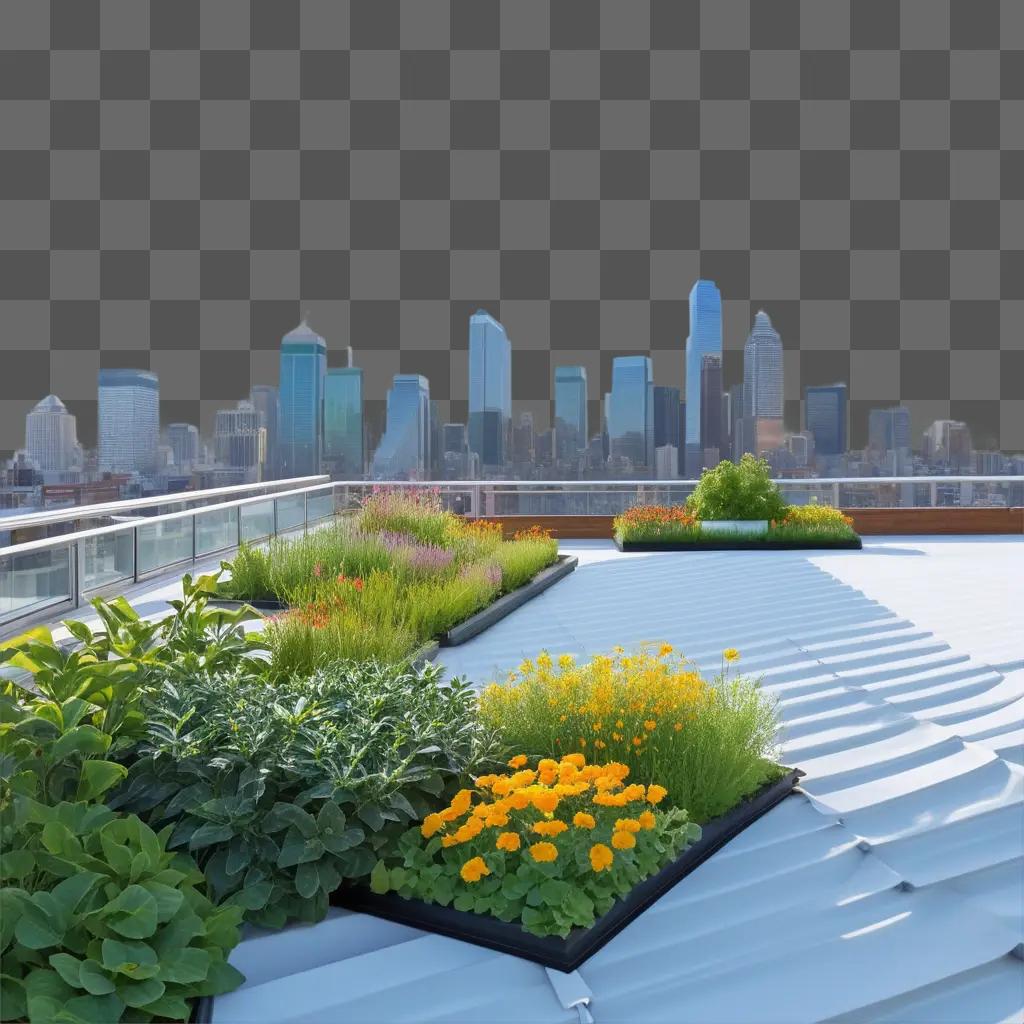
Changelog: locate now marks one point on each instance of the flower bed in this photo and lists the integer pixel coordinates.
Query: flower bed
(742, 495)
(400, 573)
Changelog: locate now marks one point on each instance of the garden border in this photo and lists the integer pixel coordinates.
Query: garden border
(737, 545)
(569, 953)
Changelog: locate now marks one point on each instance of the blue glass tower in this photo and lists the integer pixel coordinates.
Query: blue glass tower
(570, 411)
(763, 370)
(404, 450)
(343, 422)
(490, 390)
(825, 417)
(631, 413)
(301, 396)
(705, 339)
(129, 421)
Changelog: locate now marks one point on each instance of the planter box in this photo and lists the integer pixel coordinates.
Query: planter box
(567, 954)
(496, 611)
(735, 527)
(753, 544)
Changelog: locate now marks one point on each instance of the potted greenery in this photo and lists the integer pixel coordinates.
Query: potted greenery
(737, 499)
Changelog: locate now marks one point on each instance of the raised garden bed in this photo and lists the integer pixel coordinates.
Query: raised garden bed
(753, 544)
(569, 953)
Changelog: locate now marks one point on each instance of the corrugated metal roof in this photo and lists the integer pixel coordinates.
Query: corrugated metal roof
(889, 890)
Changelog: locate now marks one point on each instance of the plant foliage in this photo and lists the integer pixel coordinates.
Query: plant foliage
(737, 491)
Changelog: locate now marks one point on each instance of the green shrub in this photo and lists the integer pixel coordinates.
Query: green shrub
(414, 511)
(281, 792)
(521, 559)
(743, 491)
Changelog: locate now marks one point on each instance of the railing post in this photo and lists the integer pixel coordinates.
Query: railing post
(933, 494)
(75, 556)
(135, 554)
(835, 495)
(305, 512)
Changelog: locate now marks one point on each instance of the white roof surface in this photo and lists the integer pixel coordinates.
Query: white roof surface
(889, 890)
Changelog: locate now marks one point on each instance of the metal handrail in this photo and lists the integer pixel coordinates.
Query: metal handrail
(814, 481)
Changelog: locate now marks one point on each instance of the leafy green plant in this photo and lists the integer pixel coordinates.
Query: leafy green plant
(417, 511)
(737, 491)
(523, 557)
(281, 792)
(103, 923)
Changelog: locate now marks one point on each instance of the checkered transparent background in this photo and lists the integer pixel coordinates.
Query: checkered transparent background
(181, 180)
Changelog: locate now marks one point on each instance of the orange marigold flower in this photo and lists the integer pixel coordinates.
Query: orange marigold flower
(460, 802)
(650, 725)
(519, 801)
(447, 841)
(547, 777)
(647, 820)
(431, 824)
(545, 802)
(623, 840)
(508, 841)
(610, 800)
(544, 852)
(549, 828)
(633, 792)
(601, 857)
(474, 869)
(627, 825)
(655, 794)
(518, 761)
(583, 820)
(485, 781)
(637, 741)
(575, 759)
(496, 820)
(600, 744)
(547, 764)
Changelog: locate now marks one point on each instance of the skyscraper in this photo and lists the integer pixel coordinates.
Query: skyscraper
(343, 422)
(705, 339)
(404, 450)
(631, 413)
(303, 367)
(490, 390)
(889, 429)
(264, 399)
(51, 439)
(667, 408)
(570, 411)
(183, 440)
(711, 410)
(763, 370)
(239, 439)
(825, 418)
(129, 421)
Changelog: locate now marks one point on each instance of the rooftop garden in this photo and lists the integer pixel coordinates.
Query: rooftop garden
(734, 505)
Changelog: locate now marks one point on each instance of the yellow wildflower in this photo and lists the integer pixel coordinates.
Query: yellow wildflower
(549, 828)
(583, 820)
(518, 761)
(647, 820)
(542, 852)
(627, 825)
(431, 824)
(474, 869)
(545, 802)
(655, 794)
(508, 841)
(731, 654)
(623, 840)
(601, 857)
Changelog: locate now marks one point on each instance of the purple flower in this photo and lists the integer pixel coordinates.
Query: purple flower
(428, 558)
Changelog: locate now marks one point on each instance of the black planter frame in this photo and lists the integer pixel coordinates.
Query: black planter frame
(567, 954)
(854, 544)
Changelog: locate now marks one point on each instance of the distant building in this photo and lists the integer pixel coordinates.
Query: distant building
(667, 422)
(183, 440)
(239, 440)
(947, 444)
(129, 421)
(343, 423)
(711, 410)
(825, 417)
(490, 390)
(523, 440)
(51, 439)
(404, 450)
(763, 370)
(889, 429)
(264, 400)
(802, 448)
(571, 433)
(300, 402)
(631, 414)
(666, 462)
(705, 338)
(455, 461)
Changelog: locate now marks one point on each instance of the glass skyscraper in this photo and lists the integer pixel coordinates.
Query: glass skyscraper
(825, 418)
(51, 439)
(631, 412)
(300, 404)
(490, 390)
(889, 429)
(343, 422)
(404, 450)
(705, 339)
(264, 400)
(763, 370)
(570, 411)
(129, 421)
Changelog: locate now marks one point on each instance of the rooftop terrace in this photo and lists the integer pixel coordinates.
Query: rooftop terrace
(889, 889)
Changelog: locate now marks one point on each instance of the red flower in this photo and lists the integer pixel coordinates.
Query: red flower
(317, 570)
(357, 583)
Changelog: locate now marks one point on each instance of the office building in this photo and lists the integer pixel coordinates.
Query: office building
(704, 339)
(711, 410)
(948, 444)
(404, 450)
(300, 402)
(183, 440)
(343, 423)
(667, 409)
(239, 440)
(51, 439)
(571, 433)
(631, 414)
(490, 390)
(758, 435)
(825, 417)
(523, 440)
(763, 370)
(889, 429)
(129, 421)
(264, 400)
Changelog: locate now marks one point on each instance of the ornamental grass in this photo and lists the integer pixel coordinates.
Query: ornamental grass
(552, 846)
(709, 742)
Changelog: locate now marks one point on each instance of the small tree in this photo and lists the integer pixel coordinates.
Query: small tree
(731, 491)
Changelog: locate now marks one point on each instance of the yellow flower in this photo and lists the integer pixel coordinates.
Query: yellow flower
(508, 841)
(601, 857)
(474, 869)
(637, 741)
(678, 726)
(583, 742)
(460, 802)
(576, 759)
(627, 825)
(647, 820)
(619, 725)
(496, 820)
(549, 828)
(544, 852)
(633, 792)
(566, 661)
(547, 764)
(596, 727)
(650, 725)
(623, 840)
(731, 654)
(655, 794)
(519, 801)
(518, 761)
(610, 800)
(600, 744)
(616, 737)
(618, 650)
(545, 802)
(431, 824)
(583, 820)
(485, 781)
(665, 649)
